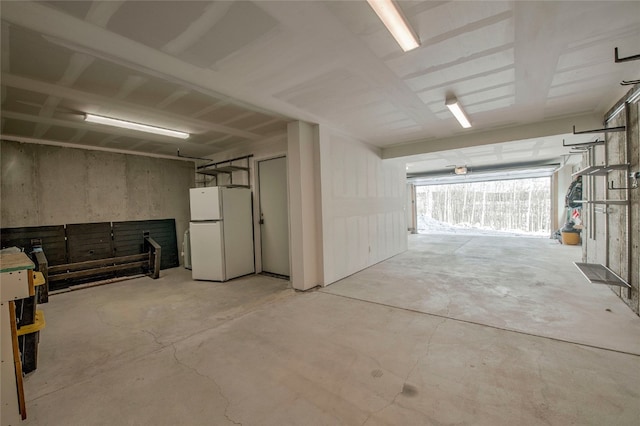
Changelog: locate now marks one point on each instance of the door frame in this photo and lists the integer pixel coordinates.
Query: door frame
(257, 208)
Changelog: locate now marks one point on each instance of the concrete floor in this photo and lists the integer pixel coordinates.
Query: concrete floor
(458, 330)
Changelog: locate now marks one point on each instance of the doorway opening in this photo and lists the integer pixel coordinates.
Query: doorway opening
(274, 217)
(517, 207)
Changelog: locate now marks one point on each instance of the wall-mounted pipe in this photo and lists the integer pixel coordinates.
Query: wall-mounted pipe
(606, 216)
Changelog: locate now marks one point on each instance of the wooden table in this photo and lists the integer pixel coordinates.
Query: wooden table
(16, 282)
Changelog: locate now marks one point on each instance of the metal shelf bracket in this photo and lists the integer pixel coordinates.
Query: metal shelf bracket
(634, 176)
(582, 144)
(628, 58)
(605, 130)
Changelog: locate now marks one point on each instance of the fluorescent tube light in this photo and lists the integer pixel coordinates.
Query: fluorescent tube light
(455, 109)
(392, 18)
(633, 98)
(91, 118)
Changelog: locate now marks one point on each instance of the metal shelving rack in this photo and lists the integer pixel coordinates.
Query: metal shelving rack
(597, 273)
(600, 274)
(228, 169)
(602, 170)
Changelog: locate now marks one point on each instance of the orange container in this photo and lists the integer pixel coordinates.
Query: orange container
(571, 238)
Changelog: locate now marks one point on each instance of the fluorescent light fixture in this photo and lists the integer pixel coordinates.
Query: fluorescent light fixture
(454, 107)
(633, 98)
(91, 118)
(392, 18)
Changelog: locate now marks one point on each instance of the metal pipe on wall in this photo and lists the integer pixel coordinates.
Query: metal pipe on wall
(627, 159)
(589, 182)
(606, 197)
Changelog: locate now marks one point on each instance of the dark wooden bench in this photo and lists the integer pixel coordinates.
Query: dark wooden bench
(149, 261)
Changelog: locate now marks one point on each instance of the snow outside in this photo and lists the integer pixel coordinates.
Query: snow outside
(519, 207)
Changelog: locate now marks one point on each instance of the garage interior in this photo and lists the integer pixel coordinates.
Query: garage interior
(371, 324)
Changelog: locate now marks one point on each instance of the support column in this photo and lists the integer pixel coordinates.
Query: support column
(305, 215)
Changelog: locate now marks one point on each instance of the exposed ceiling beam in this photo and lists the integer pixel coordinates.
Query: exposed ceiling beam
(528, 131)
(93, 148)
(82, 97)
(81, 125)
(105, 44)
(213, 14)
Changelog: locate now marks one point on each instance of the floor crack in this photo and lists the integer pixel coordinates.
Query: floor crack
(481, 324)
(104, 321)
(155, 337)
(383, 408)
(211, 379)
(411, 370)
(541, 410)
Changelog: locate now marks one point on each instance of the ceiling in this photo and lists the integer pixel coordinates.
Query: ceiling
(231, 73)
(532, 156)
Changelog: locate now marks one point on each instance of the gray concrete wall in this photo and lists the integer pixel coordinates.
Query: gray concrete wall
(633, 135)
(52, 185)
(617, 233)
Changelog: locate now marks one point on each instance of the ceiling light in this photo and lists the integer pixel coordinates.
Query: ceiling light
(392, 18)
(454, 107)
(91, 118)
(460, 170)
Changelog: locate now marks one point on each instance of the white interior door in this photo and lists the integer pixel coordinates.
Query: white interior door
(274, 218)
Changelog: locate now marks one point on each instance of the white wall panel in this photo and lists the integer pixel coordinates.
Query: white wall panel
(380, 240)
(363, 206)
(363, 239)
(372, 168)
(339, 259)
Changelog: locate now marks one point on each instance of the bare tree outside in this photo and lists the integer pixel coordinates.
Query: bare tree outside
(507, 207)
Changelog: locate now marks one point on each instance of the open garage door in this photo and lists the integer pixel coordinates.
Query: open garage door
(500, 207)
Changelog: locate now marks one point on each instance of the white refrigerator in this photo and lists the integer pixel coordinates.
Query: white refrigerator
(221, 231)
